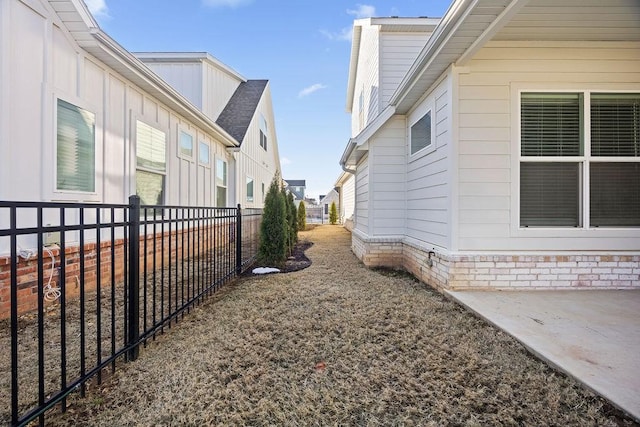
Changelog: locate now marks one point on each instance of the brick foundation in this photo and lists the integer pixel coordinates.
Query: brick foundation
(500, 272)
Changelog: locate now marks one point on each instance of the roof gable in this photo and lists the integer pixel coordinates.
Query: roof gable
(239, 111)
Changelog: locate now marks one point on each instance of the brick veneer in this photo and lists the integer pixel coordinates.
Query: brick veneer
(500, 272)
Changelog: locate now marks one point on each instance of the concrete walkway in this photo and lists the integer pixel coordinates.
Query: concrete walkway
(593, 336)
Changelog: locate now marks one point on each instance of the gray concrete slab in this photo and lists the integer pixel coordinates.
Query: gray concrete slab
(592, 335)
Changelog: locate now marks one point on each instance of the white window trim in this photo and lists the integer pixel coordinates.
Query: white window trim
(415, 116)
(50, 152)
(133, 167)
(246, 196)
(215, 180)
(550, 232)
(203, 142)
(194, 141)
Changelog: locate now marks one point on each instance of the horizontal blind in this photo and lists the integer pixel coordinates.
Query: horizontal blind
(551, 124)
(421, 133)
(75, 148)
(150, 187)
(615, 194)
(150, 147)
(615, 125)
(549, 194)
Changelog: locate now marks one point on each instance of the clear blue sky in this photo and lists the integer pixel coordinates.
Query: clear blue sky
(302, 47)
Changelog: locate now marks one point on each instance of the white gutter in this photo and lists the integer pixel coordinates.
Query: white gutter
(137, 66)
(366, 134)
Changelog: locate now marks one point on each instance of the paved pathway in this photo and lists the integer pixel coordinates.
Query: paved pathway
(593, 336)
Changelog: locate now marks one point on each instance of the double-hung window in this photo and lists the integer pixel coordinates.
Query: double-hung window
(580, 160)
(75, 149)
(151, 164)
(249, 189)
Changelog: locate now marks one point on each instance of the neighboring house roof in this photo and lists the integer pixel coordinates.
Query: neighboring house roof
(85, 30)
(239, 111)
(296, 182)
(469, 24)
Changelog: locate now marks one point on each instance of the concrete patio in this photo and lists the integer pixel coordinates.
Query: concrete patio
(591, 335)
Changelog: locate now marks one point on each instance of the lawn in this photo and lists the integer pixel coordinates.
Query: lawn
(335, 344)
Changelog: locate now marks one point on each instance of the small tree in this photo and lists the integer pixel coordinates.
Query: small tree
(273, 229)
(302, 217)
(333, 214)
(293, 219)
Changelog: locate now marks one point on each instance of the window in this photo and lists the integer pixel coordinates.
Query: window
(221, 183)
(249, 189)
(75, 149)
(566, 160)
(151, 165)
(186, 144)
(203, 153)
(263, 132)
(421, 133)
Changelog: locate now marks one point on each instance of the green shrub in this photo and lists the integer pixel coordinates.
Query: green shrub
(333, 214)
(273, 230)
(302, 217)
(293, 219)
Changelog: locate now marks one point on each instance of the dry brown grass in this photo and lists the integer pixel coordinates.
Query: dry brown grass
(335, 344)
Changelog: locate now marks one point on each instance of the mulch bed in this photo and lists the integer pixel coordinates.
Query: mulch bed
(336, 344)
(295, 262)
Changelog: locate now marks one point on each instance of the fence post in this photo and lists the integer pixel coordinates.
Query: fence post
(238, 240)
(133, 334)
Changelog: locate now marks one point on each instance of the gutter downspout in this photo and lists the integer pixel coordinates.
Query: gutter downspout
(345, 156)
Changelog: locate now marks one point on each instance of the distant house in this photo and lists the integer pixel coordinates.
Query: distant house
(345, 186)
(332, 196)
(499, 147)
(297, 187)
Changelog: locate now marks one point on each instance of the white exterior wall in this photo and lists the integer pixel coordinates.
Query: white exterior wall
(387, 179)
(488, 151)
(41, 63)
(398, 51)
(362, 196)
(367, 80)
(253, 160)
(428, 173)
(218, 88)
(185, 77)
(347, 196)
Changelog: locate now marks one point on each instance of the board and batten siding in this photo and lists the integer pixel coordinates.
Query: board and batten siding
(488, 151)
(42, 63)
(387, 178)
(255, 161)
(398, 51)
(185, 77)
(218, 88)
(367, 81)
(428, 186)
(362, 195)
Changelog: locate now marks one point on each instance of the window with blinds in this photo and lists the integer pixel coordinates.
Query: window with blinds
(263, 132)
(151, 164)
(421, 133)
(75, 148)
(606, 166)
(249, 189)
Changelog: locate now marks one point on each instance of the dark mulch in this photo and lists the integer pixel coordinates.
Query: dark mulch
(296, 262)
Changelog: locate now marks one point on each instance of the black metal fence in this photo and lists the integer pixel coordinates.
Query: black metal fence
(84, 285)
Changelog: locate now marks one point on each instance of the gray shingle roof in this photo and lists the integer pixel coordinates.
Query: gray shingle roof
(237, 114)
(296, 182)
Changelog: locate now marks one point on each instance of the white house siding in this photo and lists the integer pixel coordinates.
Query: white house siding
(347, 205)
(387, 179)
(362, 196)
(41, 63)
(428, 186)
(218, 88)
(185, 77)
(398, 51)
(488, 141)
(367, 81)
(254, 161)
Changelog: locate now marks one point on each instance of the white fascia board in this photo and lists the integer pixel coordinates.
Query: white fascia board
(116, 52)
(84, 13)
(353, 62)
